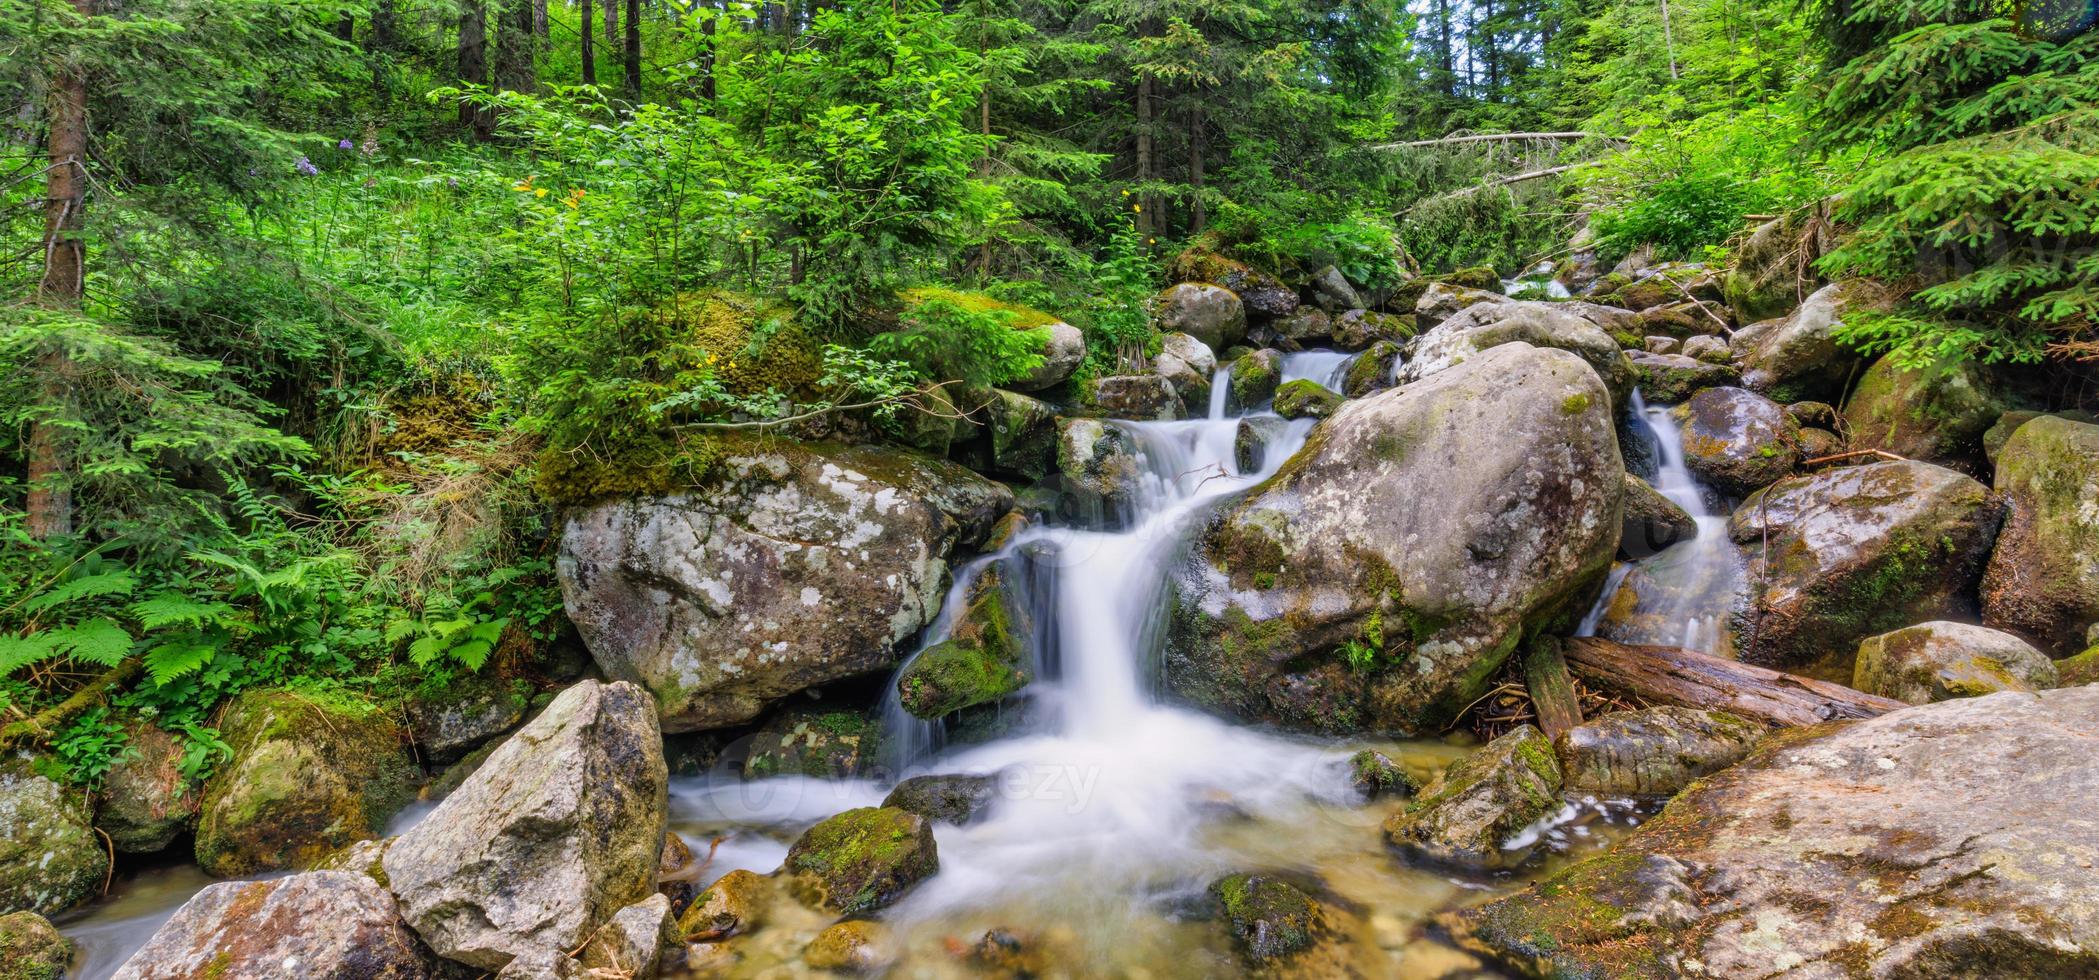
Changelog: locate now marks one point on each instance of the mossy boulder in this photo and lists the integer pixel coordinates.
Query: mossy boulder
(1379, 579)
(983, 659)
(1063, 345)
(1374, 370)
(2078, 670)
(2000, 432)
(1191, 366)
(1263, 293)
(1255, 377)
(1736, 440)
(1304, 328)
(1653, 751)
(1766, 277)
(310, 773)
(736, 904)
(1270, 918)
(1473, 277)
(1142, 397)
(32, 949)
(1672, 378)
(1305, 399)
(1359, 329)
(452, 720)
(1473, 814)
(145, 801)
(1940, 661)
(863, 860)
(1798, 357)
(1902, 846)
(2043, 579)
(1101, 469)
(1937, 414)
(1209, 313)
(1711, 350)
(1439, 302)
(1847, 553)
(1652, 522)
(951, 798)
(821, 743)
(1374, 774)
(321, 925)
(1022, 433)
(800, 564)
(1485, 326)
(1329, 290)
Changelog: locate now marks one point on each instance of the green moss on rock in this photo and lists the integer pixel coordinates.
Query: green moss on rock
(1305, 399)
(31, 949)
(863, 860)
(1270, 918)
(50, 857)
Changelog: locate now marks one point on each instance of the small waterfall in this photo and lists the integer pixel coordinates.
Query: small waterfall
(1328, 367)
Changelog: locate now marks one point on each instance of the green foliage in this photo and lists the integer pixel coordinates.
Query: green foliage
(1685, 187)
(89, 747)
(944, 340)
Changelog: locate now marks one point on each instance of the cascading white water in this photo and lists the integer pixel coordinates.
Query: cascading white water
(1682, 594)
(1329, 368)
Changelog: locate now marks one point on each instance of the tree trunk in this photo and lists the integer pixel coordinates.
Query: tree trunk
(1198, 139)
(1144, 157)
(611, 23)
(707, 33)
(517, 44)
(64, 284)
(588, 35)
(1669, 38)
(633, 50)
(984, 126)
(1668, 675)
(1551, 689)
(473, 63)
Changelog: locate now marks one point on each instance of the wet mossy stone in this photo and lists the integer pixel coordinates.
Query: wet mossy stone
(310, 773)
(1472, 814)
(1373, 774)
(821, 743)
(145, 801)
(32, 949)
(50, 858)
(1305, 399)
(1671, 378)
(736, 904)
(2043, 577)
(1937, 414)
(1255, 377)
(1269, 917)
(951, 798)
(852, 946)
(2078, 670)
(1652, 752)
(1474, 277)
(2001, 432)
(1939, 661)
(863, 860)
(983, 659)
(451, 721)
(1373, 371)
(1736, 440)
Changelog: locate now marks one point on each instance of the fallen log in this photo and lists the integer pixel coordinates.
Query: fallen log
(45, 725)
(1669, 675)
(1551, 690)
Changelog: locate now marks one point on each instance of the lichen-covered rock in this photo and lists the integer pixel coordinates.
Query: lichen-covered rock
(1766, 277)
(815, 742)
(1270, 918)
(1673, 378)
(145, 801)
(1822, 444)
(1376, 369)
(853, 946)
(1940, 661)
(1358, 329)
(1212, 314)
(1303, 328)
(1023, 434)
(1441, 301)
(1844, 554)
(1374, 774)
(1652, 752)
(561, 828)
(1738, 441)
(2078, 670)
(1329, 290)
(1662, 345)
(321, 925)
(1255, 377)
(799, 566)
(2000, 432)
(1798, 357)
(1264, 294)
(983, 659)
(737, 903)
(2043, 579)
(1472, 814)
(1652, 522)
(541, 964)
(1712, 350)
(1100, 465)
(1937, 415)
(1474, 277)
(1305, 399)
(32, 949)
(1382, 576)
(309, 774)
(1142, 397)
(1668, 283)
(1902, 846)
(633, 942)
(454, 721)
(862, 860)
(1063, 348)
(952, 798)
(1486, 326)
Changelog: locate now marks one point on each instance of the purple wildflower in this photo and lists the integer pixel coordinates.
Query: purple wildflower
(306, 167)
(345, 145)
(452, 182)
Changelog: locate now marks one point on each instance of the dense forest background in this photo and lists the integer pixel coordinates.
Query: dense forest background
(316, 311)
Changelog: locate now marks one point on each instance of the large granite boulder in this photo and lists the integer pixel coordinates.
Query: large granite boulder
(561, 828)
(1950, 840)
(321, 925)
(1798, 357)
(799, 565)
(2043, 579)
(1382, 576)
(1738, 441)
(50, 858)
(145, 801)
(1485, 326)
(1472, 814)
(863, 860)
(1653, 751)
(1936, 414)
(1190, 365)
(1844, 554)
(1939, 661)
(1143, 397)
(309, 774)
(1209, 313)
(1263, 293)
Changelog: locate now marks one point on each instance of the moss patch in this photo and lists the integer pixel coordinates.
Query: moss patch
(862, 860)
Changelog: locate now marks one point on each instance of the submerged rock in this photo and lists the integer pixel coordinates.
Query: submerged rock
(799, 566)
(321, 925)
(1305, 399)
(309, 774)
(1738, 441)
(1270, 918)
(1472, 814)
(853, 946)
(1485, 326)
(2043, 579)
(561, 828)
(1940, 661)
(863, 860)
(1212, 314)
(952, 798)
(32, 949)
(1652, 752)
(1902, 846)
(1798, 357)
(145, 800)
(1844, 554)
(1375, 775)
(1380, 578)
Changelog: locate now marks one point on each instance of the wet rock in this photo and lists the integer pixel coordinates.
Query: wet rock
(1475, 277)
(1305, 399)
(1142, 397)
(1441, 301)
(1358, 329)
(321, 925)
(1819, 444)
(1766, 277)
(1375, 775)
(1255, 377)
(470, 710)
(1250, 442)
(983, 660)
(145, 801)
(1375, 370)
(309, 774)
(1329, 290)
(677, 869)
(1666, 284)
(820, 743)
(1798, 357)
(561, 828)
(633, 942)
(1940, 661)
(1212, 314)
(937, 424)
(1662, 345)
(1581, 268)
(1010, 955)
(800, 565)
(952, 798)
(854, 946)
(1901, 846)
(1672, 378)
(1684, 320)
(365, 857)
(1994, 438)
(1263, 294)
(1937, 415)
(1303, 328)
(32, 949)
(1652, 522)
(1620, 324)
(737, 903)
(1474, 812)
(1738, 441)
(1819, 415)
(541, 964)
(1843, 554)
(2043, 579)
(1100, 465)
(1487, 326)
(1023, 434)
(1379, 579)
(863, 860)
(1064, 347)
(1652, 752)
(1190, 365)
(1270, 918)
(1712, 350)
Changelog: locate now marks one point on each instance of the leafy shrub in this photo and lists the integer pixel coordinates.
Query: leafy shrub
(1685, 187)
(980, 344)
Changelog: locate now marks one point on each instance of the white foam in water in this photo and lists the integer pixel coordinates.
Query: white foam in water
(1328, 367)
